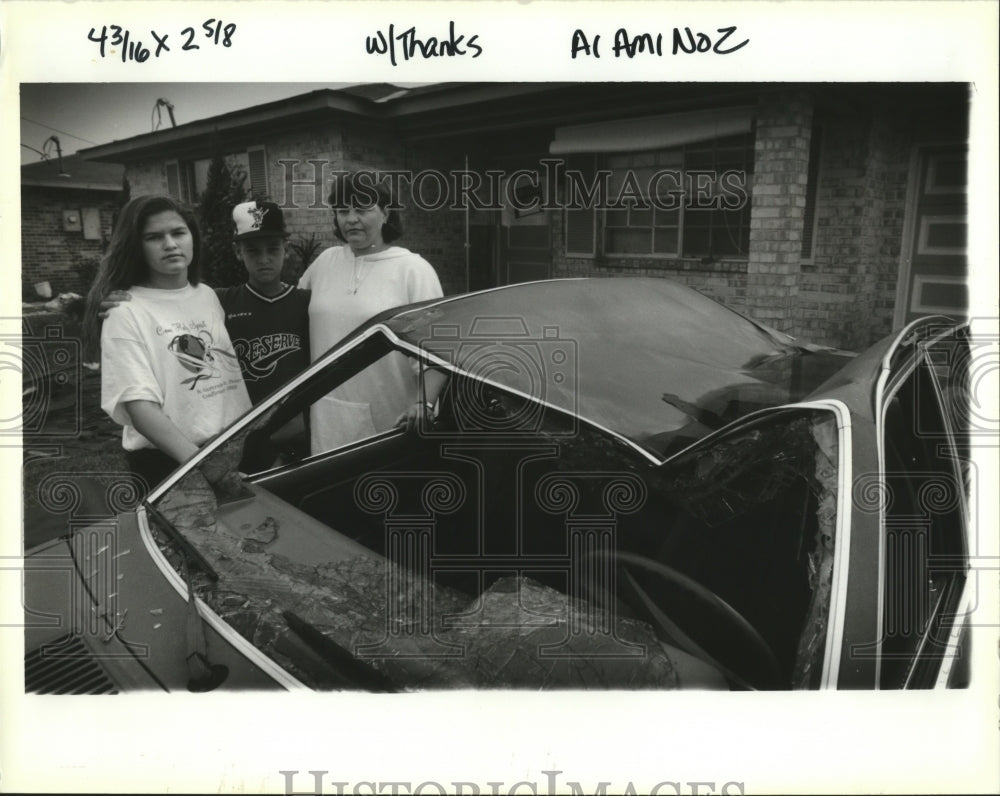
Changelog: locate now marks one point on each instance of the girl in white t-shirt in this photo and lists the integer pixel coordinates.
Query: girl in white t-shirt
(169, 374)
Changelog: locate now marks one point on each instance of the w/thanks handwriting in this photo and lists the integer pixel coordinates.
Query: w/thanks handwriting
(409, 45)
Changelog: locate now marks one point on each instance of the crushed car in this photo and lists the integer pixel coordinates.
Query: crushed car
(624, 484)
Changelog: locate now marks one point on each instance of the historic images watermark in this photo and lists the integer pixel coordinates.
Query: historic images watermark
(936, 416)
(549, 785)
(539, 364)
(525, 190)
(498, 441)
(48, 365)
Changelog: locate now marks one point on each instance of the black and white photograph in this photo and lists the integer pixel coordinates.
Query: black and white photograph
(582, 401)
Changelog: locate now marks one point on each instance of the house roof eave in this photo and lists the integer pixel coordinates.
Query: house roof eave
(201, 132)
(70, 184)
(198, 136)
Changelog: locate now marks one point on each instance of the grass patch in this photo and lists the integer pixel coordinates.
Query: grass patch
(74, 437)
(97, 468)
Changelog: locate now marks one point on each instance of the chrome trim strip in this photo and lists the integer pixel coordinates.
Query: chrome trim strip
(256, 411)
(903, 333)
(841, 543)
(881, 403)
(948, 662)
(932, 615)
(462, 296)
(263, 476)
(244, 647)
(428, 356)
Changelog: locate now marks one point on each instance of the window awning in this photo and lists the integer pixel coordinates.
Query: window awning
(652, 132)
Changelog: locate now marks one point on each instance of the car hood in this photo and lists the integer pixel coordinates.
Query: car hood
(651, 360)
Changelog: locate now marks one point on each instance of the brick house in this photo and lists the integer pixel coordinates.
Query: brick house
(835, 212)
(66, 211)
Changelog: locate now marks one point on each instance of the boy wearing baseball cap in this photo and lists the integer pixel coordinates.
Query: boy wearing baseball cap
(267, 320)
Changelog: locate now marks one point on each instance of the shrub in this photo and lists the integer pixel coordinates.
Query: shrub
(224, 190)
(304, 251)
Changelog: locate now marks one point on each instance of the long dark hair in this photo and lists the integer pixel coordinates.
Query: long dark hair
(361, 189)
(124, 264)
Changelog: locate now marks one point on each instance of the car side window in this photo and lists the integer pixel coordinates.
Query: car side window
(924, 552)
(365, 405)
(359, 396)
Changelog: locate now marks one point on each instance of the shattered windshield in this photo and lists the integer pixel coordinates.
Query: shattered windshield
(528, 552)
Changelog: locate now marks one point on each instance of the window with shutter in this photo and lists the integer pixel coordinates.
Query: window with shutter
(257, 171)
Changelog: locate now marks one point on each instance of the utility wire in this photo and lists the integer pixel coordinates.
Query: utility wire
(50, 127)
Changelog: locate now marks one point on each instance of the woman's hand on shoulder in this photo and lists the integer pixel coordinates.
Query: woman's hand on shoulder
(112, 300)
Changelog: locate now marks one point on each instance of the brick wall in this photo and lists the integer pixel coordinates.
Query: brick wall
(781, 168)
(48, 253)
(891, 145)
(848, 292)
(437, 235)
(302, 188)
(724, 281)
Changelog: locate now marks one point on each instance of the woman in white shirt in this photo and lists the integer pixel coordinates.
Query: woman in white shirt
(352, 283)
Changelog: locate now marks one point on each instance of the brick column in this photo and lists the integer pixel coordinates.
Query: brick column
(781, 165)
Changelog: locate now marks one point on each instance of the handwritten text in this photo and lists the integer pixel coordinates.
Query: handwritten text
(116, 40)
(683, 41)
(409, 45)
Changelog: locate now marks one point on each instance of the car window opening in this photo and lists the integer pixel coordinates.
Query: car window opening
(426, 554)
(925, 557)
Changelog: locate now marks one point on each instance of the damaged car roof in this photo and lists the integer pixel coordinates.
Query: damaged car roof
(663, 368)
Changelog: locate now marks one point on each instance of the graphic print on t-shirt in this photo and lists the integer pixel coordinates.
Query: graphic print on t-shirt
(270, 335)
(259, 356)
(197, 355)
